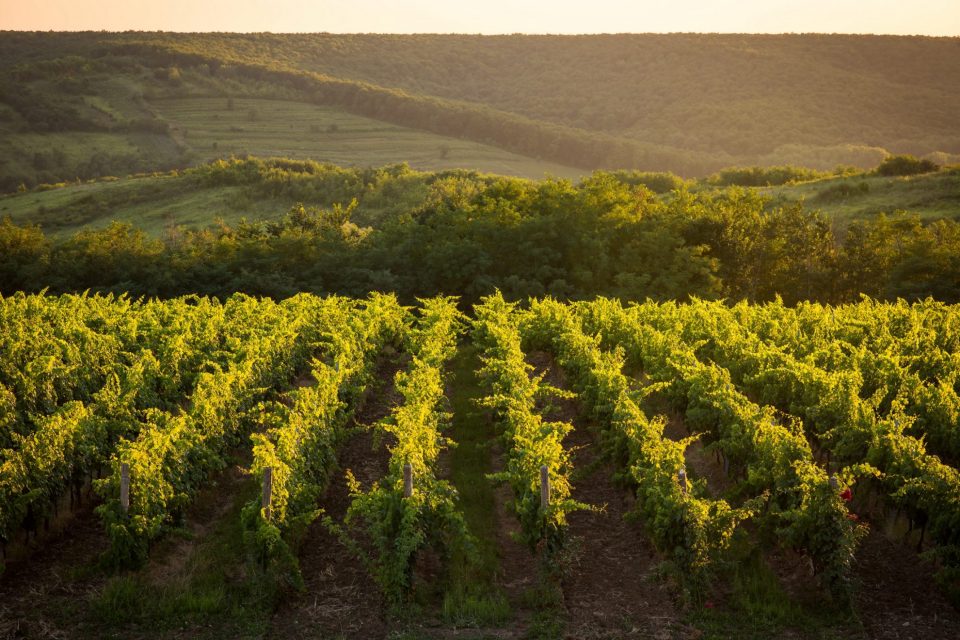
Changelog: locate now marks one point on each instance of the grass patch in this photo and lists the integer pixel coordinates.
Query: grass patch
(545, 600)
(932, 195)
(758, 594)
(758, 607)
(211, 594)
(468, 608)
(472, 598)
(301, 130)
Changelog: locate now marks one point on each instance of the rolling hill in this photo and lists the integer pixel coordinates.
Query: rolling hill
(268, 188)
(91, 120)
(462, 313)
(739, 94)
(862, 196)
(92, 104)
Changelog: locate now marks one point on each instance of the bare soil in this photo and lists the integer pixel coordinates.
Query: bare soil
(31, 590)
(610, 586)
(897, 598)
(517, 572)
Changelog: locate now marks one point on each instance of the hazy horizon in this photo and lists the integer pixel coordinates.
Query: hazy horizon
(939, 18)
(492, 35)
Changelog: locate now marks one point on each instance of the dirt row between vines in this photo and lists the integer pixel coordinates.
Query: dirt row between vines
(341, 598)
(611, 586)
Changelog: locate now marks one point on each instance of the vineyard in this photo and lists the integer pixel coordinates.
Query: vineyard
(734, 441)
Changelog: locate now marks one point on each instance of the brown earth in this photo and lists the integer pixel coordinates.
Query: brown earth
(897, 598)
(32, 591)
(611, 588)
(517, 571)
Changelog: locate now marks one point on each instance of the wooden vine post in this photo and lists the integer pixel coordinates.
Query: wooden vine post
(682, 481)
(125, 487)
(544, 488)
(407, 480)
(267, 491)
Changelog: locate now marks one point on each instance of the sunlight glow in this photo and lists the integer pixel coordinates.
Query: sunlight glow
(927, 17)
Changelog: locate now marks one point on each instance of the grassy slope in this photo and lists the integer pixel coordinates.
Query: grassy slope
(110, 101)
(744, 94)
(473, 597)
(935, 195)
(155, 202)
(677, 100)
(152, 203)
(300, 130)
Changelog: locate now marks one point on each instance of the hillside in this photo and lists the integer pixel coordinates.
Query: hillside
(446, 336)
(93, 104)
(86, 119)
(740, 94)
(155, 203)
(214, 127)
(935, 195)
(196, 199)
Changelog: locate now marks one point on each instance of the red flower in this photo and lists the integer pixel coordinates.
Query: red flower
(853, 517)
(847, 495)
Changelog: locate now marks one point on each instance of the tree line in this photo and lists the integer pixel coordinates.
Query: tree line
(471, 234)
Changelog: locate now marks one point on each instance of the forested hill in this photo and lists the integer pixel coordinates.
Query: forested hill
(740, 94)
(681, 102)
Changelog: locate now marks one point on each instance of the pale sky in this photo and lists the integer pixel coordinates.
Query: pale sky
(928, 17)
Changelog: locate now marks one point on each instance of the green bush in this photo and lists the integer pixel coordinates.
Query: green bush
(656, 181)
(905, 165)
(842, 191)
(764, 176)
